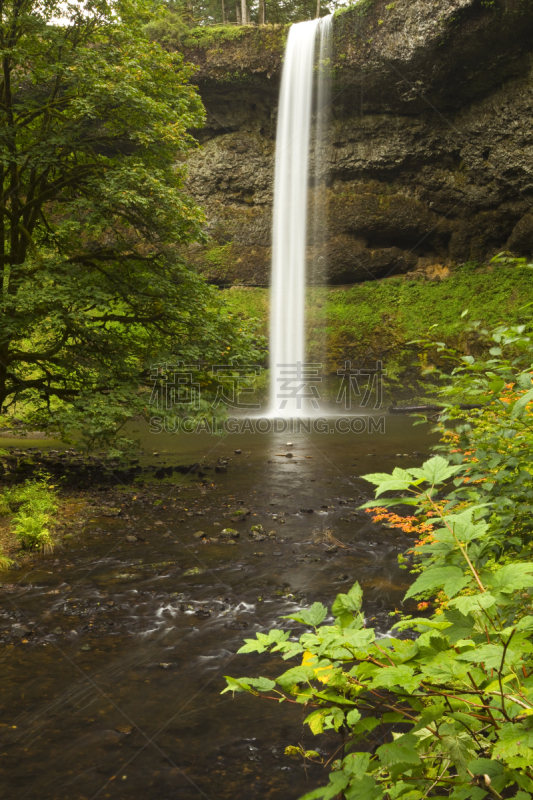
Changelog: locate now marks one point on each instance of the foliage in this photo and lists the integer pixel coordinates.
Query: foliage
(448, 712)
(178, 23)
(383, 317)
(93, 129)
(33, 506)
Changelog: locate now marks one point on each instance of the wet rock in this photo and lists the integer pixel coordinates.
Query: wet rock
(58, 631)
(278, 553)
(256, 528)
(167, 664)
(238, 452)
(306, 511)
(229, 533)
(236, 625)
(131, 539)
(259, 554)
(202, 613)
(86, 647)
(199, 535)
(166, 535)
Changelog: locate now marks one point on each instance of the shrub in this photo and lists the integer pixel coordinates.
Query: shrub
(34, 504)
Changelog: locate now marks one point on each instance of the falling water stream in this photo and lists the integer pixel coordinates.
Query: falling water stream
(294, 136)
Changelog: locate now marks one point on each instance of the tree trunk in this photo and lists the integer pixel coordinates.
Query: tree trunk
(238, 13)
(223, 12)
(262, 15)
(244, 12)
(317, 9)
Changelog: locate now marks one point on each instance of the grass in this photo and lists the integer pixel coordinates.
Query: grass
(381, 319)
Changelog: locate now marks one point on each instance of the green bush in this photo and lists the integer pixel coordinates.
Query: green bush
(33, 506)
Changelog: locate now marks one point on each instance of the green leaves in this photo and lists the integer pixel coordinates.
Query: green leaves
(451, 579)
(311, 616)
(347, 605)
(436, 470)
(401, 751)
(263, 641)
(97, 290)
(514, 745)
(402, 678)
(250, 685)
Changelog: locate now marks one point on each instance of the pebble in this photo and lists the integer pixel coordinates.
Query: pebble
(238, 452)
(131, 539)
(126, 729)
(199, 534)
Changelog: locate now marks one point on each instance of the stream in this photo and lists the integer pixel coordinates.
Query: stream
(114, 647)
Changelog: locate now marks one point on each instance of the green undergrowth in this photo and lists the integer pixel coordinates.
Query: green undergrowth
(32, 507)
(381, 319)
(171, 32)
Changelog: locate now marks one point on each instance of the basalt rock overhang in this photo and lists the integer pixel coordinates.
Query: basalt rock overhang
(399, 57)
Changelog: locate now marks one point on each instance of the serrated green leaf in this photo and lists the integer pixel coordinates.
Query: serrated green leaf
(435, 578)
(338, 781)
(475, 602)
(310, 616)
(436, 470)
(356, 764)
(401, 751)
(403, 677)
(353, 717)
(520, 404)
(316, 720)
(514, 745)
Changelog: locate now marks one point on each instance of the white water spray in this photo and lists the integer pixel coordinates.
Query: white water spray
(291, 182)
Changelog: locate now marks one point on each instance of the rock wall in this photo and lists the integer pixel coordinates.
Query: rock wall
(429, 154)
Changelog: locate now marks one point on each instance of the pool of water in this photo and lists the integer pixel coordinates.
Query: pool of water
(114, 650)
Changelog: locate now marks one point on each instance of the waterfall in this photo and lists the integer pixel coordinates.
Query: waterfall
(291, 183)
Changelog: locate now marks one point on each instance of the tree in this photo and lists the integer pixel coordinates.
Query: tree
(93, 130)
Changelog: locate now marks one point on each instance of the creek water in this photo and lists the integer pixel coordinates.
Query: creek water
(113, 650)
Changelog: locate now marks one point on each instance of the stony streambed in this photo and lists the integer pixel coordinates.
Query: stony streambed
(115, 646)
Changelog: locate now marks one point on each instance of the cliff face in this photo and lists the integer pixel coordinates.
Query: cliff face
(429, 153)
